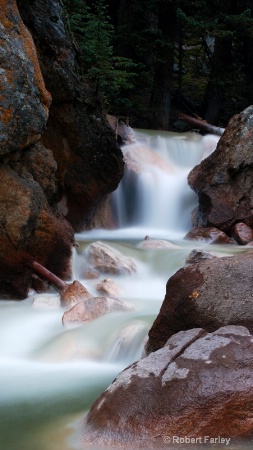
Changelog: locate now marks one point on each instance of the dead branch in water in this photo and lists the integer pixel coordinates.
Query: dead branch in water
(49, 276)
(201, 124)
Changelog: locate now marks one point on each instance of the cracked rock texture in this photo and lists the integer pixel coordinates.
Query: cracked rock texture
(198, 384)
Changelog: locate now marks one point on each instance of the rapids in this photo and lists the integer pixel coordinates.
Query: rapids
(50, 374)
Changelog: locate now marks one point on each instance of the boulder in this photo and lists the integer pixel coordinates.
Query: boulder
(209, 294)
(89, 160)
(29, 230)
(108, 288)
(92, 308)
(106, 259)
(210, 235)
(73, 294)
(223, 181)
(24, 102)
(242, 233)
(198, 386)
(156, 243)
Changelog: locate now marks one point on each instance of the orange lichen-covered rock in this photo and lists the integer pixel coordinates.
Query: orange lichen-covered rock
(24, 100)
(89, 161)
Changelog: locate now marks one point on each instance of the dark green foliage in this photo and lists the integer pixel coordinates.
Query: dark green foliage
(127, 49)
(110, 75)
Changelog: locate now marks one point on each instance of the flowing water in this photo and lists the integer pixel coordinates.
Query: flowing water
(50, 374)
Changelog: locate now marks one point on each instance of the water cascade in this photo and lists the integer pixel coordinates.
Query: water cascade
(49, 373)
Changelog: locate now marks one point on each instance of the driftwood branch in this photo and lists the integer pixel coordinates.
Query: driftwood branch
(49, 276)
(201, 124)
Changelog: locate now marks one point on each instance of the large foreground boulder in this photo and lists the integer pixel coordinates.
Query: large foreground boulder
(209, 294)
(199, 386)
(223, 181)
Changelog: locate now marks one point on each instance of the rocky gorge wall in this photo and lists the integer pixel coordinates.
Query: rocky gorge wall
(58, 155)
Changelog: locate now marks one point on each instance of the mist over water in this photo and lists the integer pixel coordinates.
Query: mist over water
(50, 374)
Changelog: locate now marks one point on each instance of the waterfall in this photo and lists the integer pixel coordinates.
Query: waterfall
(51, 374)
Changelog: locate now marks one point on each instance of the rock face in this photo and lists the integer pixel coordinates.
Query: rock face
(198, 385)
(29, 230)
(89, 161)
(209, 294)
(223, 181)
(60, 153)
(24, 102)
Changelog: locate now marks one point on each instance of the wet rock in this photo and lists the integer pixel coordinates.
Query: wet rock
(199, 385)
(123, 132)
(106, 259)
(156, 243)
(108, 288)
(139, 158)
(24, 99)
(223, 181)
(210, 235)
(73, 294)
(242, 233)
(213, 293)
(29, 230)
(91, 309)
(196, 256)
(89, 161)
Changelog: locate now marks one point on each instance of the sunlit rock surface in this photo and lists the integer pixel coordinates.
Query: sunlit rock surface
(198, 384)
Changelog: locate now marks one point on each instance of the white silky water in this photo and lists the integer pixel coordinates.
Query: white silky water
(51, 374)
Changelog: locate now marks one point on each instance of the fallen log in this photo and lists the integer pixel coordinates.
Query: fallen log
(201, 124)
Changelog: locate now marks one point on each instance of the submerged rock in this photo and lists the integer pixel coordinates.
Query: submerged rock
(108, 288)
(106, 259)
(140, 158)
(198, 385)
(91, 309)
(209, 294)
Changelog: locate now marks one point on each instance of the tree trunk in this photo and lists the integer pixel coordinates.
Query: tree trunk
(163, 68)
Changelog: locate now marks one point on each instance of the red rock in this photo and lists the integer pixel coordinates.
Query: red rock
(223, 181)
(89, 160)
(242, 233)
(91, 309)
(210, 235)
(197, 385)
(106, 259)
(209, 294)
(24, 102)
(74, 293)
(108, 288)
